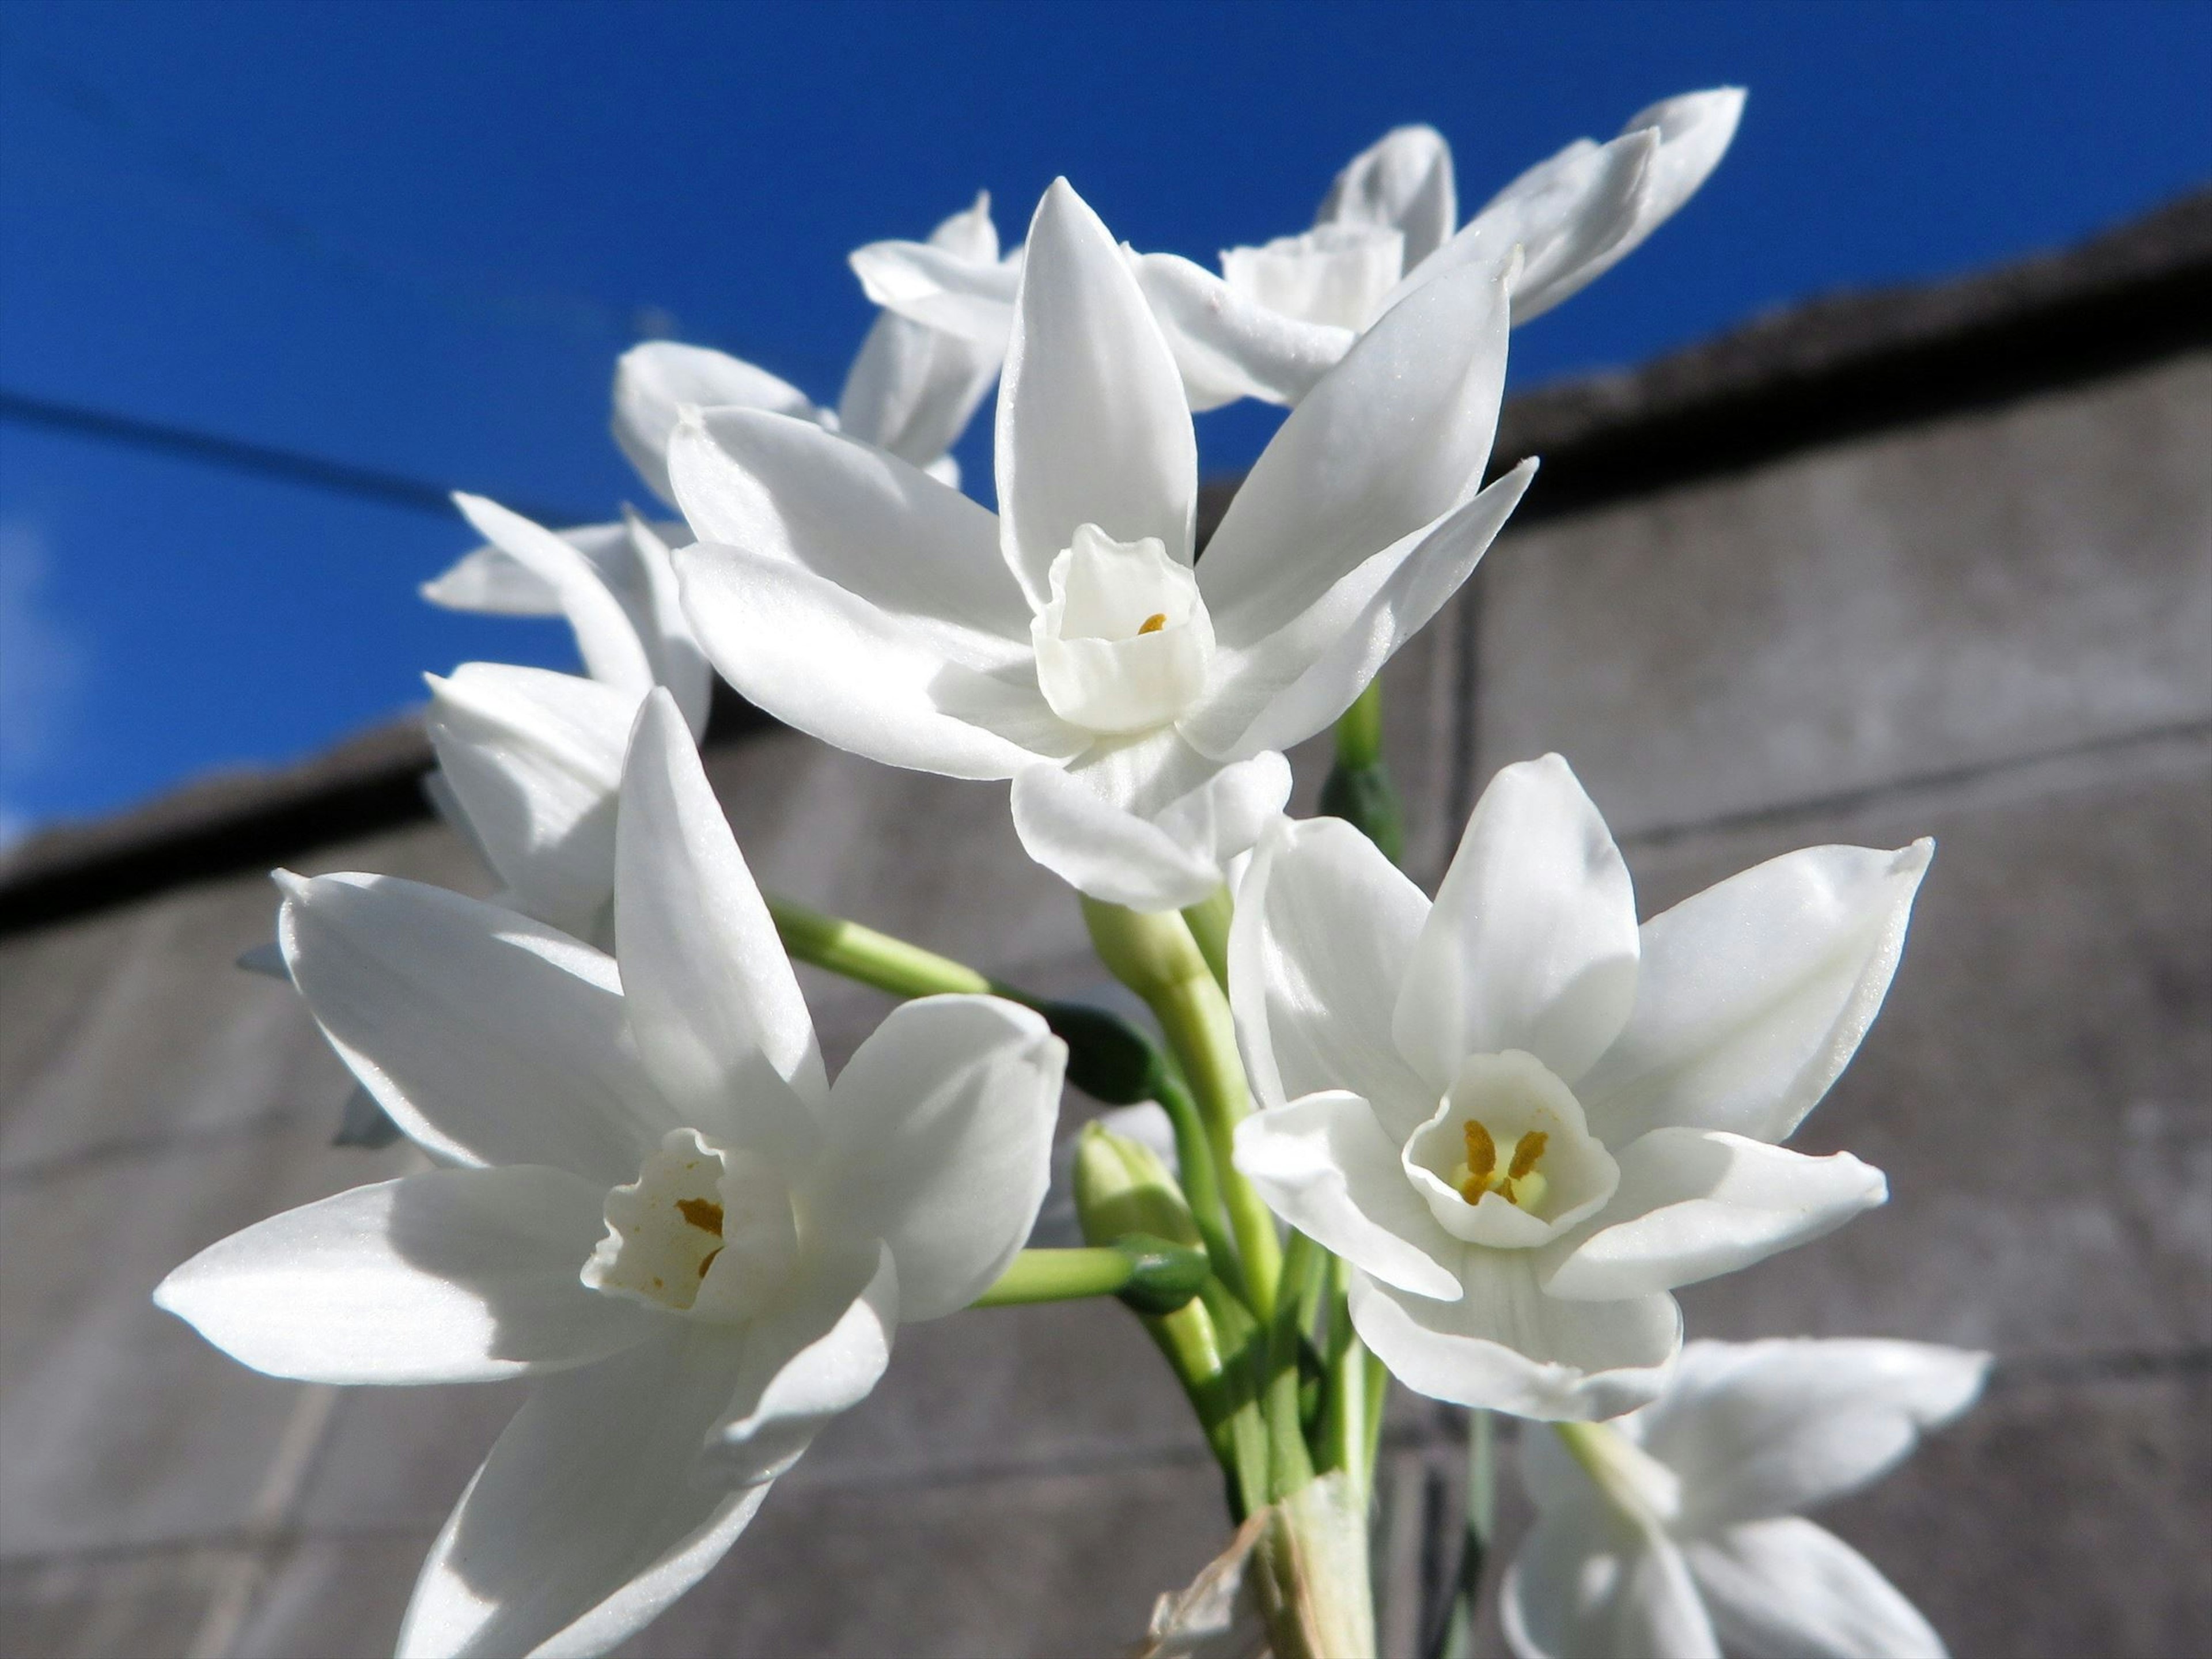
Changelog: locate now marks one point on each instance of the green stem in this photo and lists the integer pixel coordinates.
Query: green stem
(1194, 1172)
(1154, 1275)
(877, 959)
(1155, 956)
(1290, 1464)
(1378, 1397)
(1209, 921)
(1359, 728)
(1341, 1440)
(1237, 1415)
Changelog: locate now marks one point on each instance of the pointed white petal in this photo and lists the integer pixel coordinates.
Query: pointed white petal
(871, 524)
(713, 1002)
(1694, 131)
(587, 1519)
(839, 668)
(1392, 438)
(533, 759)
(489, 579)
(822, 1351)
(1755, 994)
(1325, 1165)
(1532, 944)
(1226, 345)
(449, 1276)
(941, 288)
(1506, 1346)
(1789, 1589)
(1588, 1581)
(913, 390)
(1567, 215)
(606, 636)
(1324, 926)
(678, 661)
(1089, 824)
(489, 1038)
(1694, 1204)
(1284, 687)
(1403, 181)
(940, 1144)
(1092, 425)
(655, 382)
(1758, 1429)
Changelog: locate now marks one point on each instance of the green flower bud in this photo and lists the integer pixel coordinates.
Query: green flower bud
(1122, 1187)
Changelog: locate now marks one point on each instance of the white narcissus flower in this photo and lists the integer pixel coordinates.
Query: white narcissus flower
(1676, 1531)
(1522, 1119)
(656, 1207)
(1068, 643)
(1281, 314)
(911, 391)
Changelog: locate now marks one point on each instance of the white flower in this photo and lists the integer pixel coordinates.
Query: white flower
(912, 390)
(1522, 1119)
(1281, 314)
(1678, 1535)
(1068, 643)
(655, 1206)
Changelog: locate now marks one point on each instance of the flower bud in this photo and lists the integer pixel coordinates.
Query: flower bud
(1122, 1187)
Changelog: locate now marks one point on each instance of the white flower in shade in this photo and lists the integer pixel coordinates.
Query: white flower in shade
(655, 1207)
(1069, 643)
(1279, 315)
(1676, 1532)
(1522, 1119)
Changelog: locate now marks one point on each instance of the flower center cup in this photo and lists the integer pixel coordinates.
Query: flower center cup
(1508, 1160)
(1124, 643)
(705, 1229)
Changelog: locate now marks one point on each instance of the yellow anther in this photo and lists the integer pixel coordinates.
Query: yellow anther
(1481, 1161)
(701, 1213)
(1526, 1152)
(1154, 622)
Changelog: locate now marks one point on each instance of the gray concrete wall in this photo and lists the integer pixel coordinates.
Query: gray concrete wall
(1996, 628)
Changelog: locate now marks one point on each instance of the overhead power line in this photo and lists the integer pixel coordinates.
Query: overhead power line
(257, 460)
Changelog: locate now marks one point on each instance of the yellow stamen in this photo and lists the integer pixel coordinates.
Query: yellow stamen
(1481, 1161)
(1526, 1152)
(701, 1213)
(1154, 622)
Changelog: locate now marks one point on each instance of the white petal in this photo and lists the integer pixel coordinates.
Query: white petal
(1572, 215)
(1227, 345)
(1087, 824)
(1092, 424)
(913, 389)
(489, 1038)
(867, 522)
(1392, 438)
(1332, 274)
(1506, 1346)
(1759, 1429)
(840, 669)
(606, 636)
(1404, 181)
(533, 760)
(1694, 131)
(1324, 926)
(821, 1352)
(940, 1144)
(678, 661)
(1284, 687)
(1532, 944)
(713, 1002)
(1590, 1584)
(1694, 1204)
(1325, 1165)
(1755, 994)
(655, 382)
(587, 1520)
(449, 1276)
(941, 288)
(1789, 1589)
(489, 579)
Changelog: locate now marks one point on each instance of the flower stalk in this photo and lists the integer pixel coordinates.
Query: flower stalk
(1155, 1275)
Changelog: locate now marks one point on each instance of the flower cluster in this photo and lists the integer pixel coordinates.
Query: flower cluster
(1471, 1144)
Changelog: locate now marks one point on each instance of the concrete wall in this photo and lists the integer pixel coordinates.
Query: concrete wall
(1996, 627)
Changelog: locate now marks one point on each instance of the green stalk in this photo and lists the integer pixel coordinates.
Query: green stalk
(1155, 956)
(1209, 921)
(1154, 1275)
(877, 959)
(1340, 1440)
(1290, 1464)
(1359, 788)
(1236, 1414)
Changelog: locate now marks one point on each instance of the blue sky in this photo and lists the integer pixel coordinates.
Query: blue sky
(414, 237)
